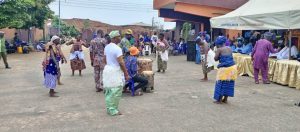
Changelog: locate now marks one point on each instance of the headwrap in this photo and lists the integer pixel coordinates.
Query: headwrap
(268, 35)
(220, 40)
(205, 35)
(95, 35)
(114, 34)
(202, 33)
(54, 38)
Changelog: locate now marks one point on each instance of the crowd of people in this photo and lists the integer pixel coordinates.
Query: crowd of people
(114, 61)
(245, 44)
(260, 46)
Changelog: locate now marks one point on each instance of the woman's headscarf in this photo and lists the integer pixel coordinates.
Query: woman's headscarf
(220, 40)
(54, 38)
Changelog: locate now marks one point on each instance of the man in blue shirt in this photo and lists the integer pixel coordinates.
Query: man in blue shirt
(239, 46)
(131, 66)
(247, 48)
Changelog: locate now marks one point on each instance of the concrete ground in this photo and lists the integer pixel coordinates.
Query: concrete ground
(180, 103)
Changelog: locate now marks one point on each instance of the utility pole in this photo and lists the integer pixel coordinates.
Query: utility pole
(59, 18)
(152, 24)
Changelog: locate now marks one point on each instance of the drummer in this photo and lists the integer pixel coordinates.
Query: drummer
(131, 66)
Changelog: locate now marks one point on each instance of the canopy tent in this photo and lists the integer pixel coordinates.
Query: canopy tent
(261, 15)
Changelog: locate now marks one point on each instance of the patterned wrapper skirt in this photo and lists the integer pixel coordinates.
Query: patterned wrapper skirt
(225, 82)
(50, 75)
(161, 65)
(77, 64)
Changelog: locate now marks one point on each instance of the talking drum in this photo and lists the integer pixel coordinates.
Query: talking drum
(144, 65)
(150, 77)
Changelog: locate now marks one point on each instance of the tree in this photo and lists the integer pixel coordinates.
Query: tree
(39, 12)
(14, 13)
(64, 28)
(24, 14)
(186, 30)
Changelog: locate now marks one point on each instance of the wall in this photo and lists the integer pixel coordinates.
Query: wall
(232, 33)
(37, 34)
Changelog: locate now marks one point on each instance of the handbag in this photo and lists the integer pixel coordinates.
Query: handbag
(164, 56)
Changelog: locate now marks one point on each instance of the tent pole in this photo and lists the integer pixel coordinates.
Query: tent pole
(290, 44)
(211, 36)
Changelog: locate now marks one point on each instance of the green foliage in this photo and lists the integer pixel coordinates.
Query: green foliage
(14, 13)
(24, 13)
(64, 28)
(186, 30)
(39, 12)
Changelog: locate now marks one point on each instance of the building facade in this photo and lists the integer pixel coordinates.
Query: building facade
(197, 12)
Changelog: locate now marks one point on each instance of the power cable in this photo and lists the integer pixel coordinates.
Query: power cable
(107, 5)
(111, 2)
(104, 8)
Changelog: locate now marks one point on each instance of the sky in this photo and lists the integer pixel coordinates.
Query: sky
(114, 12)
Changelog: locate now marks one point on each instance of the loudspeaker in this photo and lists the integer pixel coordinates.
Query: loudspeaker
(191, 51)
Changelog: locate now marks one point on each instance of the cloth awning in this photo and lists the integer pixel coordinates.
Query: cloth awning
(261, 15)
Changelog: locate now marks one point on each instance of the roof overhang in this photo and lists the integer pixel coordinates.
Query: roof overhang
(204, 8)
(170, 20)
(201, 10)
(174, 15)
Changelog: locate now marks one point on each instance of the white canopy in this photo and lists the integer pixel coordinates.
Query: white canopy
(261, 15)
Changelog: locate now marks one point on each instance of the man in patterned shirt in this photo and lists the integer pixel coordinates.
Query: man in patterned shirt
(97, 56)
(125, 42)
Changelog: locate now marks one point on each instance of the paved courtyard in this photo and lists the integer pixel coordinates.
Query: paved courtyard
(180, 103)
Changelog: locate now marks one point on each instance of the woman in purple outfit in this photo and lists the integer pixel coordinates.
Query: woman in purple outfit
(260, 55)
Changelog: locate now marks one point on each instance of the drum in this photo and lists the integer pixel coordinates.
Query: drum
(144, 65)
(150, 77)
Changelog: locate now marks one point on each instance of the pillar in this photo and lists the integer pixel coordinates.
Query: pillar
(179, 25)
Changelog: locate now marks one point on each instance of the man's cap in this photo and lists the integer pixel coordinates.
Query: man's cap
(133, 51)
(129, 32)
(114, 34)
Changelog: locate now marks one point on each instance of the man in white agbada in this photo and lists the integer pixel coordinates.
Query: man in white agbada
(114, 74)
(154, 39)
(284, 53)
